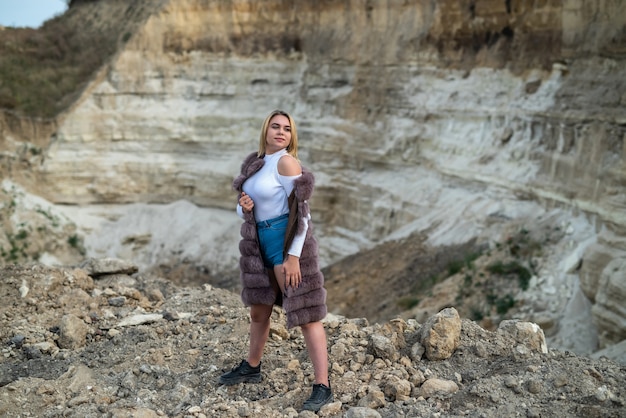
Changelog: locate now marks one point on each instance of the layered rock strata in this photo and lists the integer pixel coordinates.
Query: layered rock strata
(472, 105)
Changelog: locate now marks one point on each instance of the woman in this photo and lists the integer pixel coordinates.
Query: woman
(279, 254)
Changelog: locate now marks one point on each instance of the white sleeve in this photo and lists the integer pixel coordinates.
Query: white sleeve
(240, 211)
(298, 241)
(287, 182)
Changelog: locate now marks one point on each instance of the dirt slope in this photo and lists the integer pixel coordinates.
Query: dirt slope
(80, 343)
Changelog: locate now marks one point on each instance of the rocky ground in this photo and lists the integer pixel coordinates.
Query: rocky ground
(103, 339)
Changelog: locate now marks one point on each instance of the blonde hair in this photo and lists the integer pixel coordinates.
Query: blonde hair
(292, 148)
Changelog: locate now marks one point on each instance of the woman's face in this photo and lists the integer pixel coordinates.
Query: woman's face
(278, 134)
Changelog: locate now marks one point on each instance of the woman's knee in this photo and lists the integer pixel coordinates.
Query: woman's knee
(260, 313)
(311, 326)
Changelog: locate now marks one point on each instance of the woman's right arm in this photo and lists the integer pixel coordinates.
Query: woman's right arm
(239, 211)
(245, 204)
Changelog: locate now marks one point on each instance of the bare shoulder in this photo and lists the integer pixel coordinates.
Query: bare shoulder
(289, 166)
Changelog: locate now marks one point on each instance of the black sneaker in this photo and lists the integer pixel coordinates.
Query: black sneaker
(320, 396)
(244, 373)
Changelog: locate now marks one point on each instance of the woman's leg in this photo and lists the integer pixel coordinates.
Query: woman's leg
(315, 339)
(259, 332)
(277, 277)
(260, 316)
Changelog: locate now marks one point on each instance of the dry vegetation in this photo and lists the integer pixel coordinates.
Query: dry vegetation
(482, 283)
(40, 70)
(43, 71)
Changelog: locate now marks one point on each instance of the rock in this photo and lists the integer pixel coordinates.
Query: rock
(118, 165)
(330, 410)
(139, 319)
(609, 312)
(24, 289)
(375, 398)
(155, 295)
(440, 335)
(616, 352)
(417, 351)
(96, 267)
(279, 331)
(397, 389)
(535, 386)
(382, 347)
(596, 257)
(438, 387)
(511, 382)
(526, 333)
(117, 301)
(174, 365)
(78, 378)
(362, 412)
(72, 332)
(18, 340)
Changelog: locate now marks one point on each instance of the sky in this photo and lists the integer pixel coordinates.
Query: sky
(29, 13)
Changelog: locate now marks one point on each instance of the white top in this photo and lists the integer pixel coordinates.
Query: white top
(269, 190)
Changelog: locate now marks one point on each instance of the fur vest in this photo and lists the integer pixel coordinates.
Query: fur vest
(305, 304)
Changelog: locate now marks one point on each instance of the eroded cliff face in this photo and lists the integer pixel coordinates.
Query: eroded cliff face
(414, 115)
(528, 96)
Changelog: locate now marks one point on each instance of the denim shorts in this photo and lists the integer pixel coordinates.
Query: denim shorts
(272, 239)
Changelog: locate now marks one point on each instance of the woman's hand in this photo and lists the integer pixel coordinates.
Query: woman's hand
(246, 202)
(291, 270)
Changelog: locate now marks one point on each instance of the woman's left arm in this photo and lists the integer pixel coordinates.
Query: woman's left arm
(290, 167)
(291, 269)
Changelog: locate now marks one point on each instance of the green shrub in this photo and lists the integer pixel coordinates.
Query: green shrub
(476, 314)
(73, 241)
(467, 280)
(454, 267)
(504, 304)
(512, 268)
(408, 302)
(22, 234)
